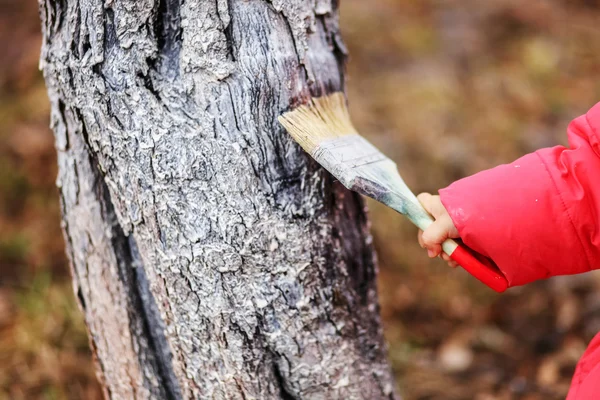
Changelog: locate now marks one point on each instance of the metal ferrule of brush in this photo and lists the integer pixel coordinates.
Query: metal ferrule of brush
(344, 156)
(361, 167)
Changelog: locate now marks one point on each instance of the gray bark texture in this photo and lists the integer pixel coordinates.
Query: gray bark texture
(211, 257)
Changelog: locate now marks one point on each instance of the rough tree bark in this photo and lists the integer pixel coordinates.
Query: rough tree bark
(211, 257)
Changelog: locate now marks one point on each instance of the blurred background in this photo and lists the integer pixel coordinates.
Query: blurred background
(448, 88)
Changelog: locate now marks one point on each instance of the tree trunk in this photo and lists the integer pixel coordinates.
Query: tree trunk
(212, 258)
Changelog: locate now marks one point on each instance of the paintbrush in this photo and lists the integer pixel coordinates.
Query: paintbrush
(323, 128)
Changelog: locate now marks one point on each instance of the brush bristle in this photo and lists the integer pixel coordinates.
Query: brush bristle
(324, 118)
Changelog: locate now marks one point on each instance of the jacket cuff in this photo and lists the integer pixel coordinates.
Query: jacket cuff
(514, 215)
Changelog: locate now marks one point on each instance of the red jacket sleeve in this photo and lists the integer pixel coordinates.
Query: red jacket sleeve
(540, 215)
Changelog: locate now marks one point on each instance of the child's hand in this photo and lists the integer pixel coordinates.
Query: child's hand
(440, 230)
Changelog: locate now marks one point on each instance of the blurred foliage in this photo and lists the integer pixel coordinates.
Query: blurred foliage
(447, 88)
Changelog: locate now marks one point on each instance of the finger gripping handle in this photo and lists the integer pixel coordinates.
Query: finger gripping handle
(484, 272)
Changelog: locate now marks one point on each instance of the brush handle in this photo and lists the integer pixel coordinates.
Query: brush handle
(480, 267)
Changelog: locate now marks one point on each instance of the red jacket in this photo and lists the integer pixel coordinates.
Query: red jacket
(540, 217)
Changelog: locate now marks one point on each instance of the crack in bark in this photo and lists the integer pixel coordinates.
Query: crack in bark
(76, 33)
(281, 384)
(111, 39)
(301, 64)
(148, 83)
(338, 48)
(228, 29)
(168, 33)
(154, 325)
(54, 12)
(133, 276)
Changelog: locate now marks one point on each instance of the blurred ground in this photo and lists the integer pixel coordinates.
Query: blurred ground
(447, 88)
(43, 344)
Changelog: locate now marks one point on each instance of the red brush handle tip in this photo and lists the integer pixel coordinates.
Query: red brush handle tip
(485, 271)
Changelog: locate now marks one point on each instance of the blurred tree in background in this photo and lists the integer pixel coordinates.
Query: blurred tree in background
(447, 88)
(43, 343)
